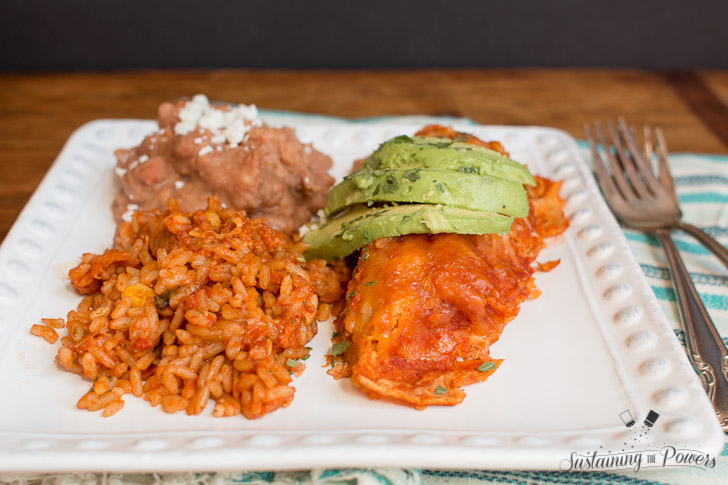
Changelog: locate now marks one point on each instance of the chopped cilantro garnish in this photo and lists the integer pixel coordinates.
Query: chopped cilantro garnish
(468, 169)
(350, 295)
(364, 257)
(411, 176)
(440, 390)
(369, 283)
(390, 185)
(339, 347)
(292, 363)
(486, 366)
(439, 186)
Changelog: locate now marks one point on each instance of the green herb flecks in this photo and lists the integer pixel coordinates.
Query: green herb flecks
(390, 185)
(364, 257)
(412, 176)
(439, 186)
(162, 301)
(351, 295)
(369, 283)
(486, 366)
(402, 139)
(339, 348)
(468, 169)
(440, 390)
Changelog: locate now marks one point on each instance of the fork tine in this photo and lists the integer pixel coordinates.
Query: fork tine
(648, 149)
(605, 179)
(665, 175)
(628, 159)
(642, 164)
(628, 192)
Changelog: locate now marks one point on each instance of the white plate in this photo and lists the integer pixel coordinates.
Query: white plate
(592, 346)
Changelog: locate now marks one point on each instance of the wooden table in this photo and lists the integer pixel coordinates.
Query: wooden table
(38, 112)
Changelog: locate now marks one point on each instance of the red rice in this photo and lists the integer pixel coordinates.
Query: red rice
(192, 307)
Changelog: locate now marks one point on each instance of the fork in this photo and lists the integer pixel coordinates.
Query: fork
(645, 201)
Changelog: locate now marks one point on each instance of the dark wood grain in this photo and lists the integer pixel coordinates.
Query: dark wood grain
(38, 112)
(702, 101)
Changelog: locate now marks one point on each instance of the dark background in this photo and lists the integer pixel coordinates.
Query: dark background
(47, 35)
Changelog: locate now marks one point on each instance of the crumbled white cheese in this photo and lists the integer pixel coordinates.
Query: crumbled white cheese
(231, 125)
(130, 208)
(306, 228)
(184, 127)
(143, 158)
(235, 133)
(205, 150)
(212, 120)
(120, 172)
(307, 149)
(315, 223)
(179, 184)
(197, 140)
(133, 165)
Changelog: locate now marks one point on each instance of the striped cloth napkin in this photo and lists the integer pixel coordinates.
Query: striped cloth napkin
(702, 185)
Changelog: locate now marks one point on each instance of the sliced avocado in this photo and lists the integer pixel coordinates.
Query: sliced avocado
(361, 225)
(429, 186)
(443, 154)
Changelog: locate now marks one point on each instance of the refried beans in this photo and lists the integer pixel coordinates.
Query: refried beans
(201, 150)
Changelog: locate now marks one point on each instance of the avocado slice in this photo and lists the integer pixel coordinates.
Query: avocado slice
(427, 152)
(429, 186)
(361, 225)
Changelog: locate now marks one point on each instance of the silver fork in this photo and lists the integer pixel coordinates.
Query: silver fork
(645, 201)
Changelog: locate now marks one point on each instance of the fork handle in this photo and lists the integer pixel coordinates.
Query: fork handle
(705, 348)
(714, 246)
